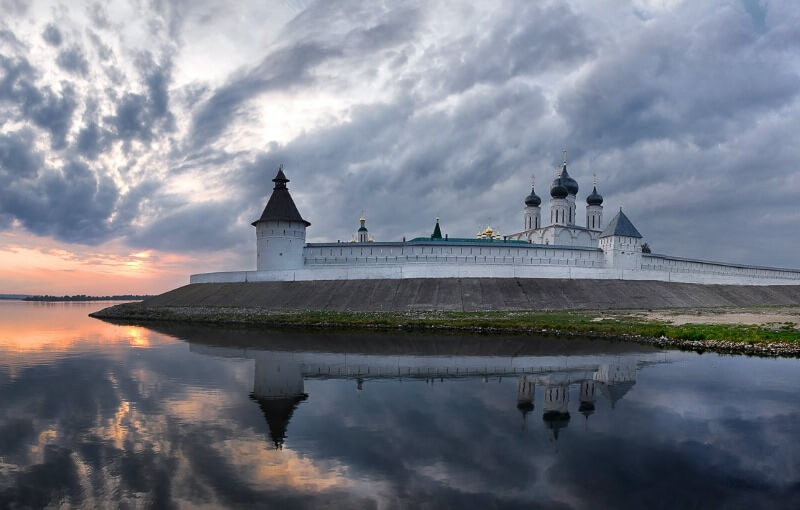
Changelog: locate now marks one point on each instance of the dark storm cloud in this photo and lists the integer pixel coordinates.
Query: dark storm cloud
(72, 203)
(17, 157)
(526, 39)
(140, 115)
(76, 202)
(92, 140)
(200, 226)
(308, 46)
(8, 37)
(73, 60)
(44, 107)
(283, 69)
(52, 35)
(433, 157)
(696, 86)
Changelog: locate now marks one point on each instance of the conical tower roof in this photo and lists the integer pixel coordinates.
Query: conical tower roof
(278, 412)
(620, 226)
(437, 232)
(280, 206)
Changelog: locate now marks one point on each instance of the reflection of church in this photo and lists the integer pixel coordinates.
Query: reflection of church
(278, 380)
(612, 380)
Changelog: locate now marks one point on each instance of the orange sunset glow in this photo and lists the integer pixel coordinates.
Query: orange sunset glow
(34, 265)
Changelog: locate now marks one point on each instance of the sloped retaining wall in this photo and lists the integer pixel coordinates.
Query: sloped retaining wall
(473, 294)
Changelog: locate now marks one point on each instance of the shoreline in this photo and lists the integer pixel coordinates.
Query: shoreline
(768, 339)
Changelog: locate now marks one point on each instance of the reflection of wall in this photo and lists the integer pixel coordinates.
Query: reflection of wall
(278, 380)
(276, 375)
(615, 373)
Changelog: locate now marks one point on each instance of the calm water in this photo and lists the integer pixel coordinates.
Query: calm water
(94, 414)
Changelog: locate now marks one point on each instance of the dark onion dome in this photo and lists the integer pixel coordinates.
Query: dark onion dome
(568, 182)
(362, 229)
(533, 199)
(280, 206)
(557, 189)
(594, 197)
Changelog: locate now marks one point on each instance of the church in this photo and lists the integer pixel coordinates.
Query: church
(562, 249)
(563, 229)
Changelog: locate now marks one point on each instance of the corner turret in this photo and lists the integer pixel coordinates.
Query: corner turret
(621, 244)
(280, 231)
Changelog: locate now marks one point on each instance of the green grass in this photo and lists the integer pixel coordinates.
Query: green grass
(589, 323)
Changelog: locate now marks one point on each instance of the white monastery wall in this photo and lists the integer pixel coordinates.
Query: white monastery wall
(351, 261)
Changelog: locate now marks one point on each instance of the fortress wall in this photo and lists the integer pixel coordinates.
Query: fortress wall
(677, 266)
(448, 253)
(395, 261)
(472, 294)
(378, 271)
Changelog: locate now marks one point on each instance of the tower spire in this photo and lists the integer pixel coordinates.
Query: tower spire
(363, 235)
(564, 152)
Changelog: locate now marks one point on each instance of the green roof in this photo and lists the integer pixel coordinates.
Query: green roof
(465, 240)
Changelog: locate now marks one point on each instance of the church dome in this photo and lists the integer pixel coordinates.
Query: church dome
(568, 182)
(533, 199)
(594, 197)
(558, 189)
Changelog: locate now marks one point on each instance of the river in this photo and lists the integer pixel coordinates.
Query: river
(95, 414)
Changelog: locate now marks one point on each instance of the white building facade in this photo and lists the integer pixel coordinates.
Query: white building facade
(562, 249)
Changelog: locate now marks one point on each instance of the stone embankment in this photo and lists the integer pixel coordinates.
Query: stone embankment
(456, 305)
(473, 294)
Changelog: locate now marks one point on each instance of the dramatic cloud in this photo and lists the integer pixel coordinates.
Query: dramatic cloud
(409, 111)
(72, 60)
(52, 35)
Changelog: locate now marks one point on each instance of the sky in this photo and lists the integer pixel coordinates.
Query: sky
(138, 139)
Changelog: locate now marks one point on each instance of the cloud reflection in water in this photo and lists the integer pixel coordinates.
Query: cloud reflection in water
(292, 419)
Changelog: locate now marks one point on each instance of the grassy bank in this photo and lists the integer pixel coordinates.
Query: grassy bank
(600, 323)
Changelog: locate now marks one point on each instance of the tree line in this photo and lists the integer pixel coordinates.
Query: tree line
(84, 297)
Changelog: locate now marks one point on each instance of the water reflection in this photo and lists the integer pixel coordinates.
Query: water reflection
(279, 376)
(169, 416)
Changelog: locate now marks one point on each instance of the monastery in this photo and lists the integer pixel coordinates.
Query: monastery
(562, 249)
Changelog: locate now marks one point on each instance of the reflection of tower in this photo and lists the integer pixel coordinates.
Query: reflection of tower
(586, 407)
(556, 415)
(525, 388)
(615, 380)
(278, 389)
